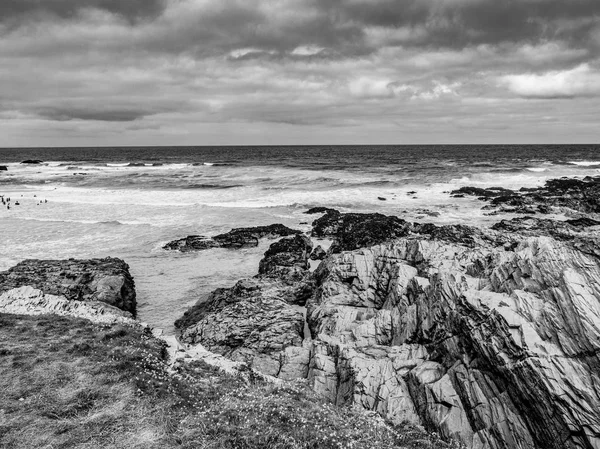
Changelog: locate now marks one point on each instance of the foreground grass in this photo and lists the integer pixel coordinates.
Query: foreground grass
(67, 383)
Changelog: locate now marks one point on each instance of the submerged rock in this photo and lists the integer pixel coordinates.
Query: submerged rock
(236, 238)
(105, 280)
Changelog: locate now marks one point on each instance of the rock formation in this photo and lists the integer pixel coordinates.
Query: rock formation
(353, 231)
(236, 238)
(260, 321)
(105, 280)
(577, 195)
(491, 337)
(30, 301)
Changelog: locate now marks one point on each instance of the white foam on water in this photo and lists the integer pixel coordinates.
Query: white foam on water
(536, 169)
(585, 163)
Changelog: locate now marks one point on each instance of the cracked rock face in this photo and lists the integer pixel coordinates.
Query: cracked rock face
(260, 321)
(496, 348)
(105, 280)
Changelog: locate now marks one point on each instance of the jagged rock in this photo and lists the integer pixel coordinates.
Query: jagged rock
(462, 234)
(498, 349)
(27, 300)
(105, 280)
(353, 231)
(287, 259)
(318, 253)
(236, 238)
(574, 231)
(260, 321)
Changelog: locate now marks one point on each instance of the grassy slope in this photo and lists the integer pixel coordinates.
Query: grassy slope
(67, 383)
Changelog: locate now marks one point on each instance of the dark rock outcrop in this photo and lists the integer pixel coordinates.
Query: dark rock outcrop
(32, 161)
(580, 195)
(236, 238)
(352, 231)
(490, 192)
(318, 253)
(321, 210)
(105, 280)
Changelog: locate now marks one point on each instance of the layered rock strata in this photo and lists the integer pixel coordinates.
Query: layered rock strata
(236, 238)
(104, 280)
(487, 336)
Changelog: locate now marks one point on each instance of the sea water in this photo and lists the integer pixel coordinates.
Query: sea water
(129, 202)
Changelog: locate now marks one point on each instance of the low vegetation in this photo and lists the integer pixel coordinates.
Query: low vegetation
(67, 383)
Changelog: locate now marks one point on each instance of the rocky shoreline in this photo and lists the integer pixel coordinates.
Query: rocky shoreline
(488, 336)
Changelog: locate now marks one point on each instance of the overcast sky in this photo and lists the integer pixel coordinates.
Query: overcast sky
(211, 72)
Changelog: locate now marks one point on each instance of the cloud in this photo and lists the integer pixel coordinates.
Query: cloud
(30, 10)
(581, 81)
(104, 115)
(181, 65)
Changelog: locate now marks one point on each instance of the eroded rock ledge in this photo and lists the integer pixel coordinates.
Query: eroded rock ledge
(491, 337)
(102, 280)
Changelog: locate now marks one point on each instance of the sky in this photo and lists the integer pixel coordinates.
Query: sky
(298, 72)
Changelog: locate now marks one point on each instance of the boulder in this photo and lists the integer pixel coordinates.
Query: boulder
(105, 280)
(236, 238)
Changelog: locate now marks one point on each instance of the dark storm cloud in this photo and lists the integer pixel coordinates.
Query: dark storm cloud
(345, 27)
(88, 112)
(16, 11)
(459, 23)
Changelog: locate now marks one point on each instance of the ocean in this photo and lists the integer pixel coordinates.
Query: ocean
(129, 202)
